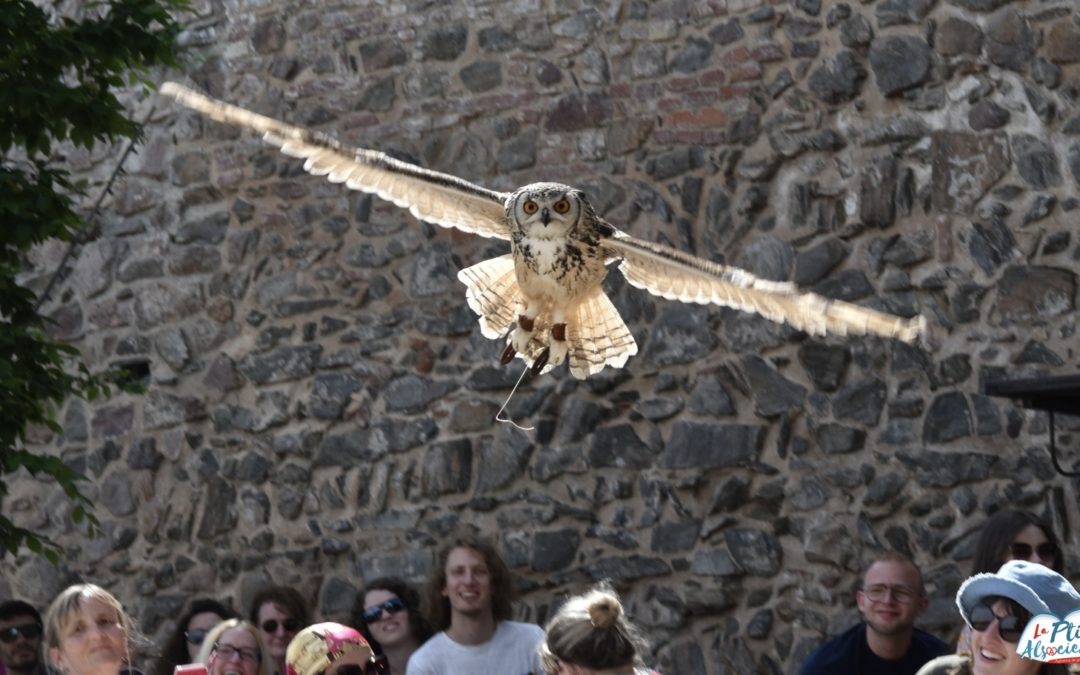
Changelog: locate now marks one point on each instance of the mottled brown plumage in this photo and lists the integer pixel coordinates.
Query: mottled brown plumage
(550, 282)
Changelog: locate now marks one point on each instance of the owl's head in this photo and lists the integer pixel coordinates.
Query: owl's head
(547, 209)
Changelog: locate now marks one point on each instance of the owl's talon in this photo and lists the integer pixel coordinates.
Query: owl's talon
(558, 352)
(540, 362)
(508, 355)
(519, 340)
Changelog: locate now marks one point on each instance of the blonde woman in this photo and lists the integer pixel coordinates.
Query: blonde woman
(235, 647)
(590, 635)
(87, 632)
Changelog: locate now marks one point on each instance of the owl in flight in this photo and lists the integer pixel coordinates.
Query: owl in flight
(550, 282)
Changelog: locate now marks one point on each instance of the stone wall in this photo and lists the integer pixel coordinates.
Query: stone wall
(320, 403)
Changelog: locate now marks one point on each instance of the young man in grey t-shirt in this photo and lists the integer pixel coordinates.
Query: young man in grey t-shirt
(471, 598)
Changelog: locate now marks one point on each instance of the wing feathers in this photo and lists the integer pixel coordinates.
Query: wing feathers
(429, 195)
(676, 275)
(596, 334)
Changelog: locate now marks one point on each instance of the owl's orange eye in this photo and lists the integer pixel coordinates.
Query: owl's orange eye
(562, 206)
(530, 207)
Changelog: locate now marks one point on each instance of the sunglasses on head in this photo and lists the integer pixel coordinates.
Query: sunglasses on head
(392, 606)
(196, 636)
(27, 630)
(271, 625)
(1022, 551)
(1009, 626)
(378, 665)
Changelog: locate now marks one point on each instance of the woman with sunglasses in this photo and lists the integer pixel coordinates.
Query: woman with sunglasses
(1016, 535)
(280, 612)
(198, 618)
(997, 608)
(87, 632)
(1012, 534)
(391, 621)
(235, 647)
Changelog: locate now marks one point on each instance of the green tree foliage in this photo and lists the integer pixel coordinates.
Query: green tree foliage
(58, 82)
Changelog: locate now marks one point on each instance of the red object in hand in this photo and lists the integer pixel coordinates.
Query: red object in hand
(190, 669)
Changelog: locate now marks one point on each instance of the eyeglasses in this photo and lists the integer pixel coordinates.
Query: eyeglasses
(378, 665)
(27, 630)
(196, 636)
(901, 594)
(1021, 551)
(271, 625)
(228, 651)
(392, 606)
(1009, 626)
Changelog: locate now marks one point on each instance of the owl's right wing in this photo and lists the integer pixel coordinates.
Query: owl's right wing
(429, 195)
(675, 275)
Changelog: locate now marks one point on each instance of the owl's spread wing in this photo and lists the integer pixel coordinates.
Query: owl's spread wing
(676, 275)
(429, 195)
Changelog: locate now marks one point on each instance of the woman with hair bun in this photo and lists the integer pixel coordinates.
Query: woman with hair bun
(590, 635)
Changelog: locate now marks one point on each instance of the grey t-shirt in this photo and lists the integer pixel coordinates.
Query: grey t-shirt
(510, 651)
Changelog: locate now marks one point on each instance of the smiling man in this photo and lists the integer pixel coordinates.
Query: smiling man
(20, 639)
(887, 643)
(471, 597)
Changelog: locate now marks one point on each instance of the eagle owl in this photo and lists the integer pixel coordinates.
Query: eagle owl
(550, 284)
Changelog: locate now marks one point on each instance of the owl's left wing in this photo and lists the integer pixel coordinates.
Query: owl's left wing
(676, 275)
(429, 195)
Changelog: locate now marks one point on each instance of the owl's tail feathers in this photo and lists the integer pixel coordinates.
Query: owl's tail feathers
(597, 336)
(493, 293)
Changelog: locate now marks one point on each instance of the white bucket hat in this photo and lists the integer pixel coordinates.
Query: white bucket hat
(1038, 589)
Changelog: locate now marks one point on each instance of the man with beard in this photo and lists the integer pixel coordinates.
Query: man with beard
(20, 639)
(471, 598)
(891, 598)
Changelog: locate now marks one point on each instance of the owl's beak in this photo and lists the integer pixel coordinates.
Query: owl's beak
(545, 215)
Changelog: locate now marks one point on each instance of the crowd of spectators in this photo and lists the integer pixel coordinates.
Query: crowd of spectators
(466, 625)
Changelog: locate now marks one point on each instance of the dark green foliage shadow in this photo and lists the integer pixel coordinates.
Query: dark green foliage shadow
(59, 79)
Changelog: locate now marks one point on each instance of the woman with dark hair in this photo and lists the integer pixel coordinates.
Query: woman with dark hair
(590, 635)
(1016, 535)
(183, 644)
(997, 607)
(1011, 534)
(280, 612)
(391, 621)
